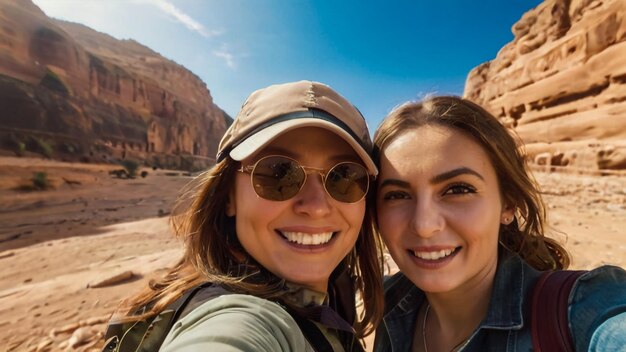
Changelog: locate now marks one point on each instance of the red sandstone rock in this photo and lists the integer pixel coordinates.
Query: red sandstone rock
(94, 96)
(562, 81)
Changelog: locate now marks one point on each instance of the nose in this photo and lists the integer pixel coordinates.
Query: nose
(312, 200)
(427, 219)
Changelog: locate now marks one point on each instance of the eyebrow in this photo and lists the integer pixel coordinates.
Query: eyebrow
(454, 173)
(394, 182)
(437, 179)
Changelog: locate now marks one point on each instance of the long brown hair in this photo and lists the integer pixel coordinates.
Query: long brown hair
(213, 254)
(525, 235)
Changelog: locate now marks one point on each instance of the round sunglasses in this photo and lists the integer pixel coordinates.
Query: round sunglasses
(279, 178)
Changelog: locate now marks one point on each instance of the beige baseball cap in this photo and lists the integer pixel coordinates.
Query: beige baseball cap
(272, 111)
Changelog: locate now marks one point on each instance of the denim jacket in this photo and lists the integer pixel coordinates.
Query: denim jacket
(597, 311)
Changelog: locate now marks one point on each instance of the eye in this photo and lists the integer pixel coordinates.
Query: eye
(393, 195)
(459, 189)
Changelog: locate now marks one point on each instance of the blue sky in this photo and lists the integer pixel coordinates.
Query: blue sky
(376, 54)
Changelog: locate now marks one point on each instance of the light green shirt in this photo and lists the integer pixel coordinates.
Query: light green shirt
(237, 322)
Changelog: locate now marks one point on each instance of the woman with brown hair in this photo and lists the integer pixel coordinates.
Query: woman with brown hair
(275, 247)
(464, 220)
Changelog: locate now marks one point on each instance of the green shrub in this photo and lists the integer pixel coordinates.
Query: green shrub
(185, 163)
(44, 147)
(70, 148)
(40, 180)
(16, 144)
(131, 167)
(20, 149)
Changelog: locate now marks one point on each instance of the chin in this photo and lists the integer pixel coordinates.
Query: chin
(434, 285)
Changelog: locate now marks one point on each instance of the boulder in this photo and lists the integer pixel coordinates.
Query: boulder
(562, 80)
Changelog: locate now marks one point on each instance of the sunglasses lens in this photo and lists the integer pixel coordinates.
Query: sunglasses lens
(277, 178)
(347, 182)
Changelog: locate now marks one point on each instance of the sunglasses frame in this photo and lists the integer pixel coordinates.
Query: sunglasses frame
(249, 169)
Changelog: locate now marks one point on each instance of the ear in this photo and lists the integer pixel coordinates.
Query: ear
(507, 215)
(231, 206)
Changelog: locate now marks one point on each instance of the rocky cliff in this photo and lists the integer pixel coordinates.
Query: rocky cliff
(69, 91)
(561, 83)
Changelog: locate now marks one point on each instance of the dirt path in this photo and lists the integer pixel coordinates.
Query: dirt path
(54, 245)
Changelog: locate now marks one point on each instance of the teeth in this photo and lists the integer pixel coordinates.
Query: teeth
(308, 238)
(433, 255)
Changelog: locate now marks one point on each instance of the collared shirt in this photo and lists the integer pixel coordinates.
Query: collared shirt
(597, 309)
(241, 322)
(303, 296)
(236, 322)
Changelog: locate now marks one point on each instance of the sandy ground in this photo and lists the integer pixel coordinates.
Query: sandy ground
(55, 245)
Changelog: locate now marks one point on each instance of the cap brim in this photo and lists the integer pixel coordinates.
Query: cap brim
(257, 141)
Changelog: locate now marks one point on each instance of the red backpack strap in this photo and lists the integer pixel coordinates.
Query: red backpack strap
(549, 322)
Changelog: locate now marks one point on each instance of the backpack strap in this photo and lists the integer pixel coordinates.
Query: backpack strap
(148, 335)
(311, 332)
(549, 321)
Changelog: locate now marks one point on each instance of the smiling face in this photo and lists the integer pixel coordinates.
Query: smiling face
(302, 239)
(440, 208)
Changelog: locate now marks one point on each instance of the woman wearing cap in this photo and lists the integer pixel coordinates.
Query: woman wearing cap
(464, 221)
(276, 227)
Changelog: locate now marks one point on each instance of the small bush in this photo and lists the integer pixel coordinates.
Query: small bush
(131, 167)
(70, 148)
(20, 149)
(15, 143)
(186, 163)
(44, 147)
(40, 180)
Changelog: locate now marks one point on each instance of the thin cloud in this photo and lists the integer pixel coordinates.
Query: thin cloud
(228, 58)
(178, 15)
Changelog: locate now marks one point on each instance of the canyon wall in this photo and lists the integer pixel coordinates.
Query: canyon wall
(561, 83)
(68, 91)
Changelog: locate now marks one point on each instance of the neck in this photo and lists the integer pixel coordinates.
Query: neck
(455, 315)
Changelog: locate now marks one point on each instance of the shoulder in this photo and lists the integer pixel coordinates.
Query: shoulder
(597, 305)
(236, 322)
(607, 282)
(605, 274)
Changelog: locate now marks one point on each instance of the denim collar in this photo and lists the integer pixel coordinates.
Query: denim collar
(505, 312)
(507, 296)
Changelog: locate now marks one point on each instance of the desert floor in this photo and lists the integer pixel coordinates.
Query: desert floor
(57, 244)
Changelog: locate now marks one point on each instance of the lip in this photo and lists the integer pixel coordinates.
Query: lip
(433, 264)
(432, 248)
(307, 229)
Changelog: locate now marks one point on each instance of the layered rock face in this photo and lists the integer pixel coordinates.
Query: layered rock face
(70, 90)
(561, 83)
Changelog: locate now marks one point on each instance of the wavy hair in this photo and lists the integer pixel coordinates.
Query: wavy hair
(525, 235)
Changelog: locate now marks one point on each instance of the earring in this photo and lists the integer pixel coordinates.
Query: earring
(507, 220)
